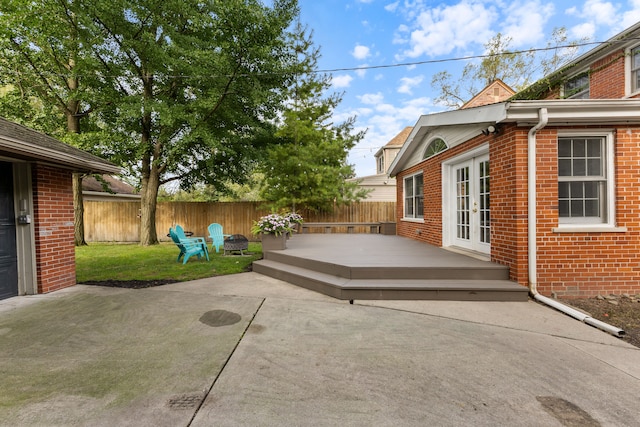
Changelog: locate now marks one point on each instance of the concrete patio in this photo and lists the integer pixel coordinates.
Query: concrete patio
(250, 350)
(380, 267)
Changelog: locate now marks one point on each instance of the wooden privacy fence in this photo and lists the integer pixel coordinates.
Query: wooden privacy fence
(107, 221)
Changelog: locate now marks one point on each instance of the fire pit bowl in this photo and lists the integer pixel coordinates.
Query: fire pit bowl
(236, 242)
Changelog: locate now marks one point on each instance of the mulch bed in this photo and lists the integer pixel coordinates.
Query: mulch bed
(621, 311)
(130, 284)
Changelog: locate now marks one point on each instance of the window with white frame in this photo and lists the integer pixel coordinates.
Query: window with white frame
(577, 87)
(381, 163)
(585, 179)
(434, 147)
(414, 196)
(635, 69)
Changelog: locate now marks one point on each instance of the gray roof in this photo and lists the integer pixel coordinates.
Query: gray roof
(27, 144)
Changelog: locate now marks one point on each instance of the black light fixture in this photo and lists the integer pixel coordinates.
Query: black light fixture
(490, 130)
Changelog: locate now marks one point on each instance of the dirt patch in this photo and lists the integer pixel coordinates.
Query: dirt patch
(130, 284)
(621, 311)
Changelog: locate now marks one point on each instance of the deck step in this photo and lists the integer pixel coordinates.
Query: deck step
(471, 271)
(387, 288)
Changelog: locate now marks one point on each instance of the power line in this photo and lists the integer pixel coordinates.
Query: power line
(463, 58)
(373, 67)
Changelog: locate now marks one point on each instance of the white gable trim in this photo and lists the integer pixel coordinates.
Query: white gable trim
(457, 126)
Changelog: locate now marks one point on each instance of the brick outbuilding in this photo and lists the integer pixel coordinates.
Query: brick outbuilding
(36, 209)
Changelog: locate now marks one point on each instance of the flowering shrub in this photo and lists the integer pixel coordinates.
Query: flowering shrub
(271, 224)
(294, 218)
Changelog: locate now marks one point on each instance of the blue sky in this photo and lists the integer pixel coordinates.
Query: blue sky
(360, 33)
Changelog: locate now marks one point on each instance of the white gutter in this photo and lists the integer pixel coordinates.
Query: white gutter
(543, 117)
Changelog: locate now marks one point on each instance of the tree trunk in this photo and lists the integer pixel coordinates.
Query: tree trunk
(78, 210)
(148, 203)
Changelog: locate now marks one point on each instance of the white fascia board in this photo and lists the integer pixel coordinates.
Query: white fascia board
(42, 153)
(494, 113)
(525, 113)
(584, 111)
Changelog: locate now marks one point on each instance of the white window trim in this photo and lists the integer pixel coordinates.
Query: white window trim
(610, 205)
(429, 142)
(628, 81)
(409, 218)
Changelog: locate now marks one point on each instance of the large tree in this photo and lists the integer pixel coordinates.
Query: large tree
(308, 167)
(47, 76)
(197, 82)
(182, 91)
(516, 69)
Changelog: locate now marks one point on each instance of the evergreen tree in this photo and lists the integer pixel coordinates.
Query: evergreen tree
(308, 167)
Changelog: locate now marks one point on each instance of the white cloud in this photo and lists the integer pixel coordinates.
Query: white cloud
(586, 30)
(408, 83)
(391, 7)
(371, 98)
(524, 22)
(361, 72)
(361, 52)
(441, 30)
(600, 12)
(632, 16)
(595, 12)
(341, 81)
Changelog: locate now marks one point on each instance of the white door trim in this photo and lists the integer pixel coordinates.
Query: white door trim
(448, 197)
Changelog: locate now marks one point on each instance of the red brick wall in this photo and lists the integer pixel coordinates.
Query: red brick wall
(54, 233)
(429, 230)
(607, 77)
(568, 264)
(589, 264)
(508, 160)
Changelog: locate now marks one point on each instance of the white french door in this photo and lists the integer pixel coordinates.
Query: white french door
(470, 218)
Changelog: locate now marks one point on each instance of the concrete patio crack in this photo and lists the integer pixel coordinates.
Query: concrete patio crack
(213, 383)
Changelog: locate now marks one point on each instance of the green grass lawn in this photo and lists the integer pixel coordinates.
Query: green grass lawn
(116, 261)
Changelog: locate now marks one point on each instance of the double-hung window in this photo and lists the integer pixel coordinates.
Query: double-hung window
(635, 69)
(585, 180)
(414, 196)
(577, 87)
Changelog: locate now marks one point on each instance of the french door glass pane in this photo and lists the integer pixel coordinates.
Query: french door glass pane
(462, 203)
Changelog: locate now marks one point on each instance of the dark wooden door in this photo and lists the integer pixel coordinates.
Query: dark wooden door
(8, 252)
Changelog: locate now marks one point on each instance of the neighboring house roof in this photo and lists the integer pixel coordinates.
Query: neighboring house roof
(471, 122)
(397, 141)
(496, 91)
(21, 142)
(90, 183)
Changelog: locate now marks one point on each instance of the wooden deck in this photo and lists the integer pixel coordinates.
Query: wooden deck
(379, 267)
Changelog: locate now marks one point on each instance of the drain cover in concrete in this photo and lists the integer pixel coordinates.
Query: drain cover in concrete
(185, 401)
(566, 412)
(220, 318)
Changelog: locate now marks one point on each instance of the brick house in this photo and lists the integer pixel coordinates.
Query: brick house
(37, 253)
(546, 183)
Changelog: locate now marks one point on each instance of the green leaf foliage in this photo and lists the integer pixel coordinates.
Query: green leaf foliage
(173, 90)
(308, 167)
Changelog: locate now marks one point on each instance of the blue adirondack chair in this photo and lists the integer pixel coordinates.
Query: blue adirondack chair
(189, 245)
(217, 236)
(193, 247)
(176, 240)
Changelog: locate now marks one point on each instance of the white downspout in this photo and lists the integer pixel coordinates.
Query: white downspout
(532, 233)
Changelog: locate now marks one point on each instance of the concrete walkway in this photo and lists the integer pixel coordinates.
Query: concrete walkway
(248, 350)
